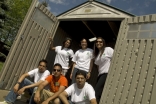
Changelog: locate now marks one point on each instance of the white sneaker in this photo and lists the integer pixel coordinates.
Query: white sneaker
(3, 102)
(20, 96)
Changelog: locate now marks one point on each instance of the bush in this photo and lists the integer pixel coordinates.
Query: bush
(1, 65)
(2, 57)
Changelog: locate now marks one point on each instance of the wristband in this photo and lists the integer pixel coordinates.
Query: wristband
(18, 82)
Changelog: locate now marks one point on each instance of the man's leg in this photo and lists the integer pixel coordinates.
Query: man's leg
(45, 94)
(32, 99)
(11, 97)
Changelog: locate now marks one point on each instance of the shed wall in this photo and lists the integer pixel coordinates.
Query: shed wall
(30, 45)
(132, 75)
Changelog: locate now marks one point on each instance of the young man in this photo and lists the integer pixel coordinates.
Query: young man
(57, 83)
(23, 83)
(81, 92)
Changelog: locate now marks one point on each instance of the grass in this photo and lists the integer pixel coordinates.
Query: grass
(1, 65)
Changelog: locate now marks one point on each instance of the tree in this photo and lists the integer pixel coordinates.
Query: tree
(15, 16)
(3, 7)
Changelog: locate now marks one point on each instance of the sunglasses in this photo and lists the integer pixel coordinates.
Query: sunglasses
(56, 70)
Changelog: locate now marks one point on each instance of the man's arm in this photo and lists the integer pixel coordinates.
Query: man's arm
(30, 86)
(51, 44)
(56, 94)
(93, 101)
(16, 87)
(90, 69)
(63, 97)
(37, 94)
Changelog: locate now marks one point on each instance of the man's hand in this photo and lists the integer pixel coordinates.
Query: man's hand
(37, 97)
(21, 90)
(16, 88)
(45, 102)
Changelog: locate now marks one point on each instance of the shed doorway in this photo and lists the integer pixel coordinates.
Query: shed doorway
(89, 29)
(79, 29)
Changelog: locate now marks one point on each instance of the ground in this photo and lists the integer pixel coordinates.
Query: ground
(5, 92)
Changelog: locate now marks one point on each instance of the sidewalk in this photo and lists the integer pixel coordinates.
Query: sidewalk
(3, 94)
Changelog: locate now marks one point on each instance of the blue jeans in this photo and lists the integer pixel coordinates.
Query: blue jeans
(99, 86)
(11, 97)
(74, 73)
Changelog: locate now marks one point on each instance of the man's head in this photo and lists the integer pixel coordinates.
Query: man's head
(42, 65)
(57, 69)
(80, 78)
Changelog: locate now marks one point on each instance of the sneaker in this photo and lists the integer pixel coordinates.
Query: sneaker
(3, 102)
(20, 96)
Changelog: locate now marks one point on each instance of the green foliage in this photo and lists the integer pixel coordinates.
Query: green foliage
(3, 8)
(2, 56)
(1, 65)
(7, 47)
(15, 11)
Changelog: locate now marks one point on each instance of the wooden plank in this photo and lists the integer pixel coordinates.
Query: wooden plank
(153, 94)
(153, 18)
(149, 91)
(17, 59)
(133, 85)
(112, 70)
(116, 77)
(130, 72)
(33, 62)
(124, 71)
(11, 60)
(143, 75)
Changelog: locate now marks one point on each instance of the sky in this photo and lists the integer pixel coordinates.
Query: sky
(136, 7)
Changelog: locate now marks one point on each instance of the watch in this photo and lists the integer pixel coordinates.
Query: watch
(18, 82)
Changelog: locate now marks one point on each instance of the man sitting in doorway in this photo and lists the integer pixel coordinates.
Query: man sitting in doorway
(81, 92)
(57, 83)
(23, 83)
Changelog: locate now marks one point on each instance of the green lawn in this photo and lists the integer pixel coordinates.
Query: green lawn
(1, 64)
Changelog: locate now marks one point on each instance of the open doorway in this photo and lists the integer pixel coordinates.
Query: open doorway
(85, 29)
(89, 29)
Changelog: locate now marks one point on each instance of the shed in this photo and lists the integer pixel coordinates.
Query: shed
(132, 73)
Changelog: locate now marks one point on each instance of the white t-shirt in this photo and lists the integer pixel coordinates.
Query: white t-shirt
(62, 56)
(81, 96)
(82, 59)
(104, 61)
(37, 75)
